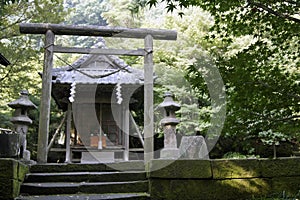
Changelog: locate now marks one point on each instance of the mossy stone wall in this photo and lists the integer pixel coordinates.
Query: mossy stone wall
(224, 179)
(12, 174)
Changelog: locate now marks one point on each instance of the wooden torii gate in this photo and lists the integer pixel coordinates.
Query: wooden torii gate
(50, 30)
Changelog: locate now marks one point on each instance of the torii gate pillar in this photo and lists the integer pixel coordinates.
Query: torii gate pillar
(44, 119)
(148, 99)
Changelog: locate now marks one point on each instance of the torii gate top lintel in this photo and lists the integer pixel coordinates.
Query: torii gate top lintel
(104, 31)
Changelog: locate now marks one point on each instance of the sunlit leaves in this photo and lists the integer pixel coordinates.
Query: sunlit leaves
(256, 46)
(23, 51)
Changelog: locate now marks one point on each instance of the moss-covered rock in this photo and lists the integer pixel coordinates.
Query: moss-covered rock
(200, 169)
(194, 189)
(242, 188)
(8, 169)
(290, 186)
(9, 188)
(280, 167)
(12, 174)
(235, 168)
(23, 169)
(208, 189)
(161, 189)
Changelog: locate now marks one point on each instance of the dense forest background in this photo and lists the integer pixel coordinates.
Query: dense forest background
(235, 67)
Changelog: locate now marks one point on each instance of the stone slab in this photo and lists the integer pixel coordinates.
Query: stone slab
(23, 169)
(64, 167)
(126, 166)
(290, 186)
(235, 168)
(208, 189)
(137, 196)
(183, 168)
(169, 153)
(113, 187)
(9, 188)
(97, 157)
(280, 167)
(94, 167)
(160, 189)
(8, 169)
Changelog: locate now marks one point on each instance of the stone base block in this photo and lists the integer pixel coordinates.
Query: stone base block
(169, 153)
(97, 157)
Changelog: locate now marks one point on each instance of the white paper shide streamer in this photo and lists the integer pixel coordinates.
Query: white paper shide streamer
(118, 91)
(72, 91)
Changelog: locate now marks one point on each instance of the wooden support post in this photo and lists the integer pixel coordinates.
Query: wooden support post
(148, 99)
(44, 119)
(68, 134)
(56, 132)
(137, 129)
(101, 134)
(126, 131)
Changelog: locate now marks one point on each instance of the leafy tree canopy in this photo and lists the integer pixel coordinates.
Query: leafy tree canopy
(23, 51)
(256, 48)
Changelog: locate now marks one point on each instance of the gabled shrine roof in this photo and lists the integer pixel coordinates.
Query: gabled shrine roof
(3, 60)
(97, 69)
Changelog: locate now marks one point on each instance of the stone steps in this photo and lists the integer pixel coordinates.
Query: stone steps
(124, 180)
(85, 176)
(125, 196)
(101, 167)
(52, 188)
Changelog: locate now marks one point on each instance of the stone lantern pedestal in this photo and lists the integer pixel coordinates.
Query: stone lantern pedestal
(169, 122)
(21, 121)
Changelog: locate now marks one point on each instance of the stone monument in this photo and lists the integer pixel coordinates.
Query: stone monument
(193, 147)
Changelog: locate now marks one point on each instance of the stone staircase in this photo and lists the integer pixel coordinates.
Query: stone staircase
(124, 180)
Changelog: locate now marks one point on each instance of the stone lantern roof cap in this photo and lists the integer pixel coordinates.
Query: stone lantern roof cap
(169, 103)
(23, 101)
(22, 119)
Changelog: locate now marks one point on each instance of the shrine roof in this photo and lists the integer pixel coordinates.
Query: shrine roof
(98, 69)
(3, 60)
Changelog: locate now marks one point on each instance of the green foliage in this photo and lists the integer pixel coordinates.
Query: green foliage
(237, 155)
(25, 55)
(23, 51)
(272, 138)
(85, 12)
(117, 13)
(256, 49)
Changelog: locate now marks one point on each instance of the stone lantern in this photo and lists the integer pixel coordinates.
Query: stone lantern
(169, 122)
(21, 121)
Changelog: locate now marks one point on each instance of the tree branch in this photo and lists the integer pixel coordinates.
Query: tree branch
(271, 119)
(266, 8)
(283, 92)
(293, 2)
(286, 118)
